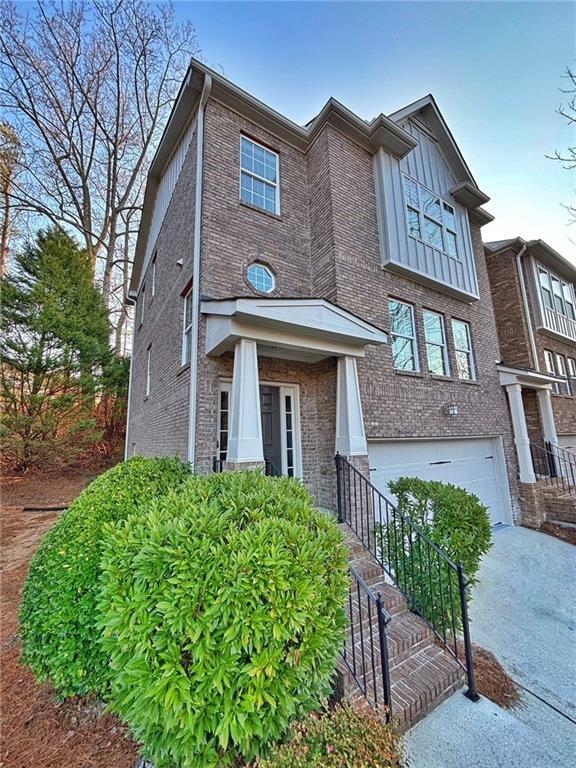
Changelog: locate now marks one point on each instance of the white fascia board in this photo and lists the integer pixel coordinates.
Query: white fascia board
(510, 375)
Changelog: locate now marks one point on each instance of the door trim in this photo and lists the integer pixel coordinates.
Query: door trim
(225, 385)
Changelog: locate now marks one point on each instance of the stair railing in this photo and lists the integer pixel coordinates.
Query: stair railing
(365, 651)
(555, 466)
(435, 587)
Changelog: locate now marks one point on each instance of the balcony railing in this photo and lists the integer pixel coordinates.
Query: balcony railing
(558, 323)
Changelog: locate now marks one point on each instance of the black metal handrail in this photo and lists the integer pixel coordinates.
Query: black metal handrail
(555, 466)
(365, 651)
(435, 587)
(217, 464)
(270, 468)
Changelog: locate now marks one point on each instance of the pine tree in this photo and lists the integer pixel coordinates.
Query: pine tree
(54, 352)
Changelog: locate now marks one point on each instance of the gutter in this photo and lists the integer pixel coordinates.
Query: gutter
(130, 299)
(196, 271)
(519, 255)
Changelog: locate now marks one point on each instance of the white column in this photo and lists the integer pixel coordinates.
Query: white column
(245, 431)
(521, 440)
(350, 435)
(547, 416)
(549, 425)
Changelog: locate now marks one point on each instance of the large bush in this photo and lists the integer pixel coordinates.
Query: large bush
(458, 523)
(60, 639)
(222, 615)
(343, 737)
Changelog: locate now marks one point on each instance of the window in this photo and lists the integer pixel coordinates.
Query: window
(225, 390)
(572, 374)
(142, 303)
(148, 370)
(551, 368)
(563, 387)
(403, 330)
(153, 291)
(463, 350)
(557, 294)
(430, 218)
(259, 172)
(187, 332)
(260, 278)
(435, 339)
(289, 416)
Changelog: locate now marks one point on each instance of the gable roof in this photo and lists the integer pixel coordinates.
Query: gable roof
(540, 250)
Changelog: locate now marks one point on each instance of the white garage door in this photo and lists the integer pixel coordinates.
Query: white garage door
(474, 464)
(568, 442)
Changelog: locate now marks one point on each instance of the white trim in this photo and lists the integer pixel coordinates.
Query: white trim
(225, 385)
(185, 298)
(264, 180)
(413, 338)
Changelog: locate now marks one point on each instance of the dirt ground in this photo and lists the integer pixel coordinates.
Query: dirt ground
(37, 731)
(565, 533)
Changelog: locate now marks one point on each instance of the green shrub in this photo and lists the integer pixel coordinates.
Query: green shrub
(58, 613)
(222, 614)
(453, 519)
(343, 737)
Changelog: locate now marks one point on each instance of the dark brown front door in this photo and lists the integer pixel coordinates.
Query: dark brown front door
(271, 436)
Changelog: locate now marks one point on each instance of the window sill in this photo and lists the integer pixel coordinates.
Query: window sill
(438, 377)
(183, 369)
(411, 374)
(470, 382)
(251, 207)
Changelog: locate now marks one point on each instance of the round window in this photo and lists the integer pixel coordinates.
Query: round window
(260, 278)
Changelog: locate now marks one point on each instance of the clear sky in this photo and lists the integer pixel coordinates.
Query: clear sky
(495, 69)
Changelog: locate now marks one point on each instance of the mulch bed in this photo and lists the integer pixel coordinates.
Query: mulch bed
(559, 532)
(492, 680)
(37, 730)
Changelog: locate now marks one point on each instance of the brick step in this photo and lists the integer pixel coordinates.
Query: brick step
(406, 635)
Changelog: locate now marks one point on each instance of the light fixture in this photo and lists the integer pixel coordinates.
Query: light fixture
(451, 409)
(180, 262)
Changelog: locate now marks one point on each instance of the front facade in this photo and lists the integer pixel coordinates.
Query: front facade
(301, 291)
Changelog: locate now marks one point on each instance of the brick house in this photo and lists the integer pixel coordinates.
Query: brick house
(306, 290)
(534, 289)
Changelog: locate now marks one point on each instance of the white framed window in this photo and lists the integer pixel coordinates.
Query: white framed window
(556, 294)
(260, 278)
(148, 370)
(463, 350)
(223, 419)
(430, 218)
(153, 286)
(572, 374)
(259, 175)
(187, 329)
(435, 339)
(564, 387)
(403, 332)
(142, 304)
(551, 368)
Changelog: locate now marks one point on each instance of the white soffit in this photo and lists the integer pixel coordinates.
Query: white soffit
(313, 325)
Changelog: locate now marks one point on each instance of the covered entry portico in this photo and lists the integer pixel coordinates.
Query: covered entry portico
(300, 330)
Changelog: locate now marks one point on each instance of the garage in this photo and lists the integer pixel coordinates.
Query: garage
(568, 442)
(477, 464)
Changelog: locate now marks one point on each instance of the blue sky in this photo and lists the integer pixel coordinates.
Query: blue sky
(495, 69)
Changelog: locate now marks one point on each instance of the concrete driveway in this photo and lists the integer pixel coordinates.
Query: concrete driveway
(524, 611)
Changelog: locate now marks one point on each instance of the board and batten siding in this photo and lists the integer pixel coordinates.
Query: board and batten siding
(166, 187)
(404, 253)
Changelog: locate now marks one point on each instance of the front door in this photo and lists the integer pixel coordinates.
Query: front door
(271, 429)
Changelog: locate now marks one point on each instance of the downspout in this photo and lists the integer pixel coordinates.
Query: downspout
(527, 315)
(130, 299)
(196, 272)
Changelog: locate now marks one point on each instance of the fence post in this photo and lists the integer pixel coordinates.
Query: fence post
(339, 507)
(471, 693)
(384, 661)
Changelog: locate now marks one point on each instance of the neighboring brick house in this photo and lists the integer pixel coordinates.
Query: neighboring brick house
(302, 290)
(534, 291)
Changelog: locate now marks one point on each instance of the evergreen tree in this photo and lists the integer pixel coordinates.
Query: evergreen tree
(55, 350)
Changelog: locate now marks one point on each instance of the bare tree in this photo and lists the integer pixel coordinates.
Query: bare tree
(88, 86)
(568, 111)
(9, 163)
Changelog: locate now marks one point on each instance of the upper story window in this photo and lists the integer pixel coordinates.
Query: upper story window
(430, 218)
(153, 287)
(259, 175)
(142, 303)
(260, 278)
(557, 294)
(572, 374)
(403, 332)
(463, 350)
(148, 370)
(563, 387)
(187, 330)
(435, 338)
